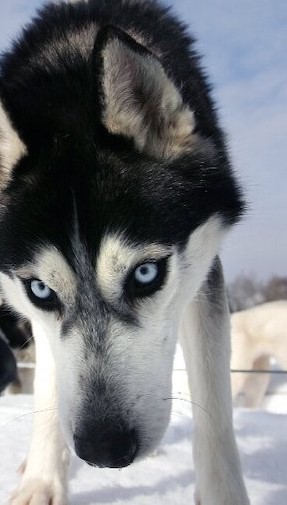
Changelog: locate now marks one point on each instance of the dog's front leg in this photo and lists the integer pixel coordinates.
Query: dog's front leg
(205, 340)
(44, 475)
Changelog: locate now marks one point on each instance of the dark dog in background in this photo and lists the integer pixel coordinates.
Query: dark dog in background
(15, 335)
(8, 367)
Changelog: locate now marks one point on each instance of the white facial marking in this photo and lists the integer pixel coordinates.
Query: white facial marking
(53, 270)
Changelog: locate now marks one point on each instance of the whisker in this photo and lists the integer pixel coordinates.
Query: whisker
(25, 343)
(27, 414)
(191, 402)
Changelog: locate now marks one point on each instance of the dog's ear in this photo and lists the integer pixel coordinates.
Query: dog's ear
(139, 100)
(11, 148)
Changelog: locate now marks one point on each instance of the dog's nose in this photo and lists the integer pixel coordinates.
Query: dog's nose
(106, 447)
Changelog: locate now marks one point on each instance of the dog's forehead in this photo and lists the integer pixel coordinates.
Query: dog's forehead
(121, 194)
(118, 252)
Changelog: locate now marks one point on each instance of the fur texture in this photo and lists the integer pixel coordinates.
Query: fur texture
(124, 177)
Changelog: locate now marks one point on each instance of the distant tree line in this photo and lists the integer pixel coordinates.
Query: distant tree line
(247, 291)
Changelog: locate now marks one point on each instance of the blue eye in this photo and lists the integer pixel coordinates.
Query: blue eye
(41, 295)
(146, 279)
(40, 290)
(146, 273)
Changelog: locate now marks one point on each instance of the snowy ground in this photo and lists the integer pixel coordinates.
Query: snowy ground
(166, 478)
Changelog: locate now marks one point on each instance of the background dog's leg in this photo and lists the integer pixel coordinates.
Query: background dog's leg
(249, 390)
(241, 359)
(205, 340)
(44, 477)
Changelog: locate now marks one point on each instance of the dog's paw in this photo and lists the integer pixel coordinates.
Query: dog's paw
(38, 492)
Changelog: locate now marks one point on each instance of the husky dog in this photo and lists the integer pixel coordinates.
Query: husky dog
(258, 334)
(116, 193)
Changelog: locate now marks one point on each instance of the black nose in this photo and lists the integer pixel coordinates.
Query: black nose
(113, 448)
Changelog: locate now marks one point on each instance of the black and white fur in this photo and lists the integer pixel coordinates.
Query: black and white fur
(112, 158)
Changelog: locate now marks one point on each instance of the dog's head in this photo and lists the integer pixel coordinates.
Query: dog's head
(113, 206)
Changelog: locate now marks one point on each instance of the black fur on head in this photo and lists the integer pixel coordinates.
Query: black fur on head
(53, 88)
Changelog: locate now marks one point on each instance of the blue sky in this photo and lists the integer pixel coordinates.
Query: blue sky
(244, 46)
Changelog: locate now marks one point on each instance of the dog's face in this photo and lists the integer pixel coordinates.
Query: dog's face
(109, 225)
(112, 325)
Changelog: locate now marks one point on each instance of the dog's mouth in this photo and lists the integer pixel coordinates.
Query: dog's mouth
(114, 465)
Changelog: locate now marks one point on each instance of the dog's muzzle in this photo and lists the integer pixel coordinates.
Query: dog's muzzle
(106, 446)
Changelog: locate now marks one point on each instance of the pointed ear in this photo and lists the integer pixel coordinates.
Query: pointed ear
(11, 148)
(140, 101)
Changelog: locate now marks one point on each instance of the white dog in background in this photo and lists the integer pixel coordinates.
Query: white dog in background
(258, 334)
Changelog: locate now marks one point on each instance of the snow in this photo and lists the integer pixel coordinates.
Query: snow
(167, 477)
